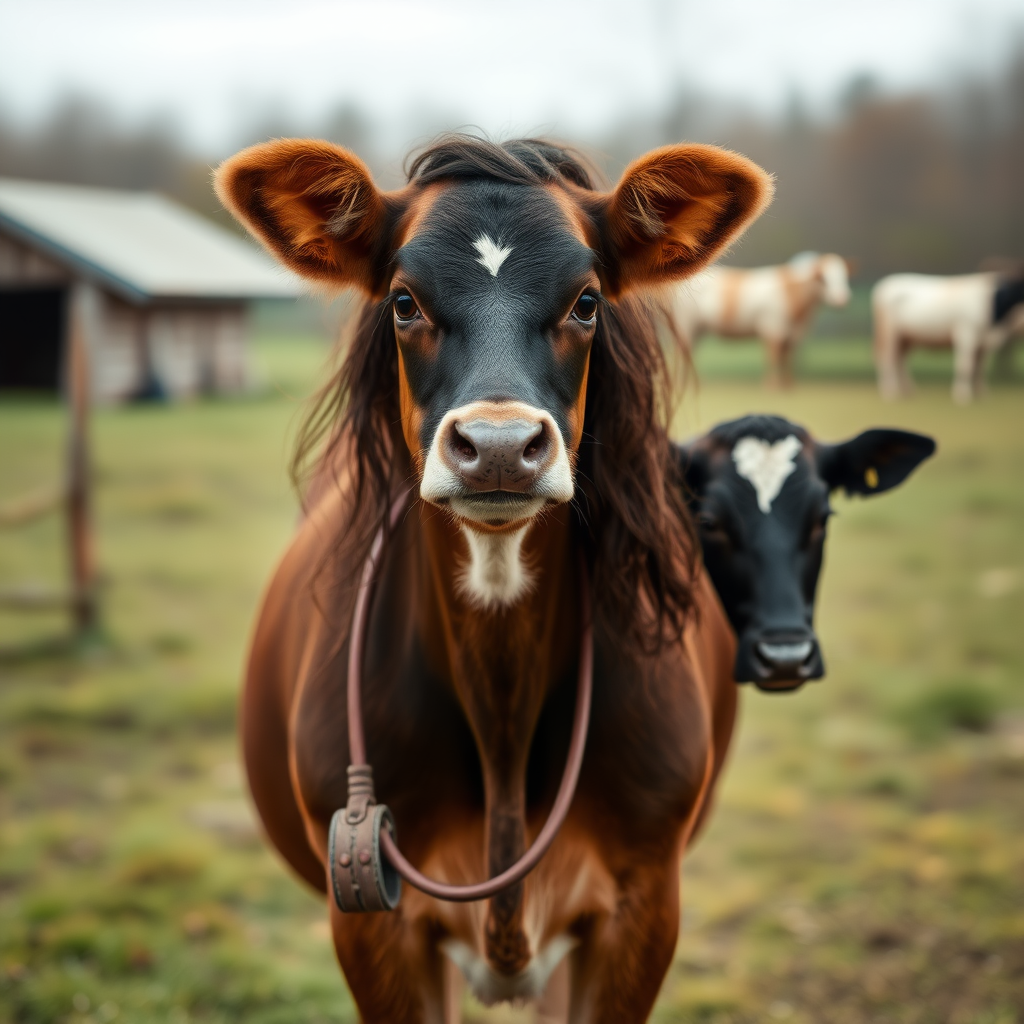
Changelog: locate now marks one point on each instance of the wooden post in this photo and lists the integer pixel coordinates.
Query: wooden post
(81, 323)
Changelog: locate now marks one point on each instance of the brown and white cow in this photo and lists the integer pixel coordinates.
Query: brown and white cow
(974, 314)
(776, 304)
(503, 365)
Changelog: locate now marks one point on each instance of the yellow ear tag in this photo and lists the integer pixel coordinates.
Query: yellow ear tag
(871, 477)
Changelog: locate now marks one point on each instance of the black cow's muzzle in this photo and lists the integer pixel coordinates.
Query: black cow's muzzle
(778, 659)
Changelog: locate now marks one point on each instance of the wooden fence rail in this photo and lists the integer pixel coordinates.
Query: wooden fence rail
(29, 507)
(35, 599)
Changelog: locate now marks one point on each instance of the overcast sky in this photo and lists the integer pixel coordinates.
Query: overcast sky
(554, 65)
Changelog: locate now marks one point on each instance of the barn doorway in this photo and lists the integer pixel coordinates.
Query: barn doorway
(32, 327)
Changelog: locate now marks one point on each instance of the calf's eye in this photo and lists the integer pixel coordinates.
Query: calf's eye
(585, 309)
(405, 307)
(709, 522)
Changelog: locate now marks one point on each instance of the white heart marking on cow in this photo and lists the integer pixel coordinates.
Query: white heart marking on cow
(766, 466)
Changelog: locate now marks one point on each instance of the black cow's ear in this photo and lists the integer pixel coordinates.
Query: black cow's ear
(874, 461)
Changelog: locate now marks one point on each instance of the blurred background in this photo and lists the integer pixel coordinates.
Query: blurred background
(866, 860)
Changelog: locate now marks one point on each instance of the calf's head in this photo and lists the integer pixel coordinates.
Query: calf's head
(759, 489)
(492, 271)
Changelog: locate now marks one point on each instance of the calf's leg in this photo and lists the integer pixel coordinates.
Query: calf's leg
(890, 354)
(1004, 365)
(906, 382)
(966, 349)
(393, 968)
(788, 357)
(621, 961)
(775, 357)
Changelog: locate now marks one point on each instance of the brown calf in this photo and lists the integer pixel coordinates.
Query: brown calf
(504, 366)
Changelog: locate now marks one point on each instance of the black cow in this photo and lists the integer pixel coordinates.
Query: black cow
(759, 491)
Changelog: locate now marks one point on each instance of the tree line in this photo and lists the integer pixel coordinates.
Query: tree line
(929, 181)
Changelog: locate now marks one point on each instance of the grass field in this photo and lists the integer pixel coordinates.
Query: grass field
(866, 859)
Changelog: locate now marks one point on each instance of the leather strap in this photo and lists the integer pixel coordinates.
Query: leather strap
(360, 772)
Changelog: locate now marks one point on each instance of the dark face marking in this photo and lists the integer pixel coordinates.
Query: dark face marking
(495, 310)
(765, 565)
(467, 334)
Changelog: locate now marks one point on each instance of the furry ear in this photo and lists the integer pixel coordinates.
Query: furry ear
(674, 211)
(314, 206)
(874, 461)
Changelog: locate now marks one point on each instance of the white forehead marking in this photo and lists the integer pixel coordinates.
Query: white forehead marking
(766, 466)
(492, 255)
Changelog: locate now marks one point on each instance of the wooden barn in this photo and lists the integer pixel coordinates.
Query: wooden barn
(165, 292)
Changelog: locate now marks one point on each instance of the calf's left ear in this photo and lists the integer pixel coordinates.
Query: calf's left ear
(674, 211)
(874, 461)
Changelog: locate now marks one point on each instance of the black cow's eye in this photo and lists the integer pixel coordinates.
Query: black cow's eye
(586, 308)
(713, 531)
(709, 521)
(405, 307)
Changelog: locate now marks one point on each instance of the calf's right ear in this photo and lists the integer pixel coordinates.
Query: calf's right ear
(315, 207)
(874, 461)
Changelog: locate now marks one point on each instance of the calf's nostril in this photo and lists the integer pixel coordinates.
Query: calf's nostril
(785, 654)
(461, 445)
(537, 444)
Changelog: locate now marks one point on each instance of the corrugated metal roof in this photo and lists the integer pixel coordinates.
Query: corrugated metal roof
(140, 245)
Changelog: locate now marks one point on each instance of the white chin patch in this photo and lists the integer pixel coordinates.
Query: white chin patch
(766, 466)
(490, 987)
(495, 576)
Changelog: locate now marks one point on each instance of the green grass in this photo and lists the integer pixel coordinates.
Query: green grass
(836, 358)
(865, 861)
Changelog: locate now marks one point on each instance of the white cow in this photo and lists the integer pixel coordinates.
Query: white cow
(973, 314)
(775, 304)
